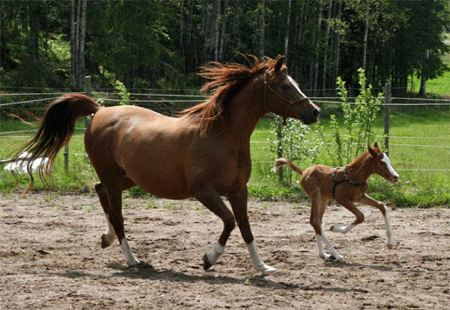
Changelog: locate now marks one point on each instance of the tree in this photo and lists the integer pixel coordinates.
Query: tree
(77, 42)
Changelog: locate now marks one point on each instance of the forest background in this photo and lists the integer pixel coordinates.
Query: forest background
(52, 44)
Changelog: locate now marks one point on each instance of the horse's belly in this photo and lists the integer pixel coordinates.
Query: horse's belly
(165, 184)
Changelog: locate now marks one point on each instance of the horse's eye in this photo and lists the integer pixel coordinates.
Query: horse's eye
(285, 86)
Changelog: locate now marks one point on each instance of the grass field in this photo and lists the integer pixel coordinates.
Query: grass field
(419, 147)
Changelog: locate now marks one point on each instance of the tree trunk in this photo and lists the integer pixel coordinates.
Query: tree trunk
(286, 38)
(423, 87)
(366, 34)
(261, 32)
(77, 42)
(223, 31)
(81, 58)
(325, 57)
(316, 64)
(338, 42)
(73, 45)
(216, 34)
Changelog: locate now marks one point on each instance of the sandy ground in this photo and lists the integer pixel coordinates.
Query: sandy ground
(50, 258)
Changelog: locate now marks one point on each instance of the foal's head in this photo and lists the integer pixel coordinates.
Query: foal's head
(381, 164)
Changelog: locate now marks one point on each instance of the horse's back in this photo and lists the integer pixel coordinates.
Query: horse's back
(163, 155)
(317, 178)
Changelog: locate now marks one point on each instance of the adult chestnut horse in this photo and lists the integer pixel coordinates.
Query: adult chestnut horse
(204, 153)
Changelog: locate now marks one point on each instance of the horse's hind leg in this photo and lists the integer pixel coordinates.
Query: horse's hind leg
(110, 234)
(209, 197)
(318, 206)
(111, 201)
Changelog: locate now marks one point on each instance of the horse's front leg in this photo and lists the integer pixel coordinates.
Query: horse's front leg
(349, 205)
(209, 197)
(366, 199)
(239, 205)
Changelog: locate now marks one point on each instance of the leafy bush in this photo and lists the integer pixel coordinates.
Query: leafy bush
(357, 131)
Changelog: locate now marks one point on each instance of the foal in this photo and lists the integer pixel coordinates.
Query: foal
(346, 185)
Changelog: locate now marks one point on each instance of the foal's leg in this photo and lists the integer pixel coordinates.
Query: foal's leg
(239, 205)
(318, 206)
(380, 206)
(111, 199)
(209, 197)
(349, 205)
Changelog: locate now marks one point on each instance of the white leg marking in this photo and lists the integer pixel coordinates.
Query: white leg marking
(330, 248)
(256, 259)
(390, 243)
(322, 254)
(342, 230)
(129, 257)
(215, 253)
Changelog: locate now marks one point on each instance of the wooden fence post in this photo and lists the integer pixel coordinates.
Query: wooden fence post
(387, 101)
(66, 157)
(88, 89)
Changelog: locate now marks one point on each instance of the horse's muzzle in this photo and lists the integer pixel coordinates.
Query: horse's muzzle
(394, 179)
(312, 117)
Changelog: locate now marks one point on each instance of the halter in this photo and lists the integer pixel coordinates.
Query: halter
(345, 179)
(291, 102)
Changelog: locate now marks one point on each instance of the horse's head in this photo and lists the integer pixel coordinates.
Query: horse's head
(382, 164)
(283, 96)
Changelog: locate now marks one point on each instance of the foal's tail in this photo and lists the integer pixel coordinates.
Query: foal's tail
(283, 161)
(57, 127)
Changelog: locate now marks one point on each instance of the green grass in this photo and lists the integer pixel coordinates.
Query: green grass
(419, 149)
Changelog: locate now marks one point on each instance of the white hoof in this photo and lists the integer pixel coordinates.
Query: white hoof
(324, 256)
(267, 269)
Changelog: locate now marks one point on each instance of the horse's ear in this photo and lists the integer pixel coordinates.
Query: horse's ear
(279, 63)
(375, 145)
(372, 151)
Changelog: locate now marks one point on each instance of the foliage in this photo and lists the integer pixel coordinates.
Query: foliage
(292, 141)
(358, 122)
(123, 93)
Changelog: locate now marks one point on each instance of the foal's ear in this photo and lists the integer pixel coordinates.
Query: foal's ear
(279, 63)
(372, 151)
(375, 145)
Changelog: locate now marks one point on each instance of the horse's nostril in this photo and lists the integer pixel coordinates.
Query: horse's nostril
(316, 112)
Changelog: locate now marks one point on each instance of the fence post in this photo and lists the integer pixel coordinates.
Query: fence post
(387, 101)
(279, 132)
(66, 157)
(87, 83)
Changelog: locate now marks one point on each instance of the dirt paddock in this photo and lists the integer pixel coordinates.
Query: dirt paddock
(51, 258)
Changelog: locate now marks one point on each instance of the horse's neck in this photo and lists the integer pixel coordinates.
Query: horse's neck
(247, 107)
(359, 170)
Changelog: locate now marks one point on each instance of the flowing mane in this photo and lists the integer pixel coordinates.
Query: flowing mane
(225, 81)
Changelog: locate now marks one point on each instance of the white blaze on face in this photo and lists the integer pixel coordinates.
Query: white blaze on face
(386, 160)
(292, 81)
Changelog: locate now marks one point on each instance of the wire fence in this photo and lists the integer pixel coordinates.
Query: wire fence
(30, 106)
